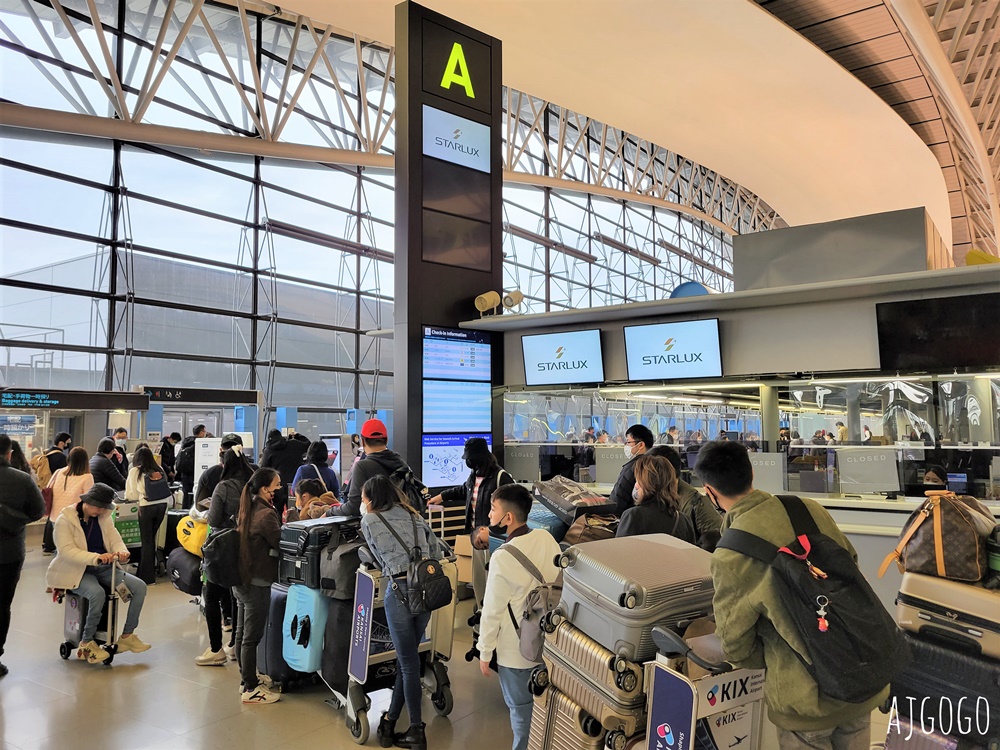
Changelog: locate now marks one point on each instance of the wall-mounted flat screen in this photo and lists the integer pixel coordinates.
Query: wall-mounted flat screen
(563, 358)
(456, 139)
(456, 190)
(457, 406)
(441, 462)
(939, 334)
(672, 351)
(454, 354)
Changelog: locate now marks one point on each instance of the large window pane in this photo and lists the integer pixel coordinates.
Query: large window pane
(48, 368)
(171, 331)
(315, 346)
(29, 315)
(312, 388)
(156, 371)
(47, 259)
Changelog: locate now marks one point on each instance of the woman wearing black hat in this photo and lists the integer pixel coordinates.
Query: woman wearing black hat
(86, 542)
(486, 475)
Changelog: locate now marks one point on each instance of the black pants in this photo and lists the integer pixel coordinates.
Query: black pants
(150, 518)
(253, 608)
(48, 537)
(218, 604)
(10, 574)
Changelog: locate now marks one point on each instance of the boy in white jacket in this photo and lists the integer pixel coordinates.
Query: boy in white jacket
(507, 586)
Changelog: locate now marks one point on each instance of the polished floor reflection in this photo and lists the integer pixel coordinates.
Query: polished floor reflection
(160, 699)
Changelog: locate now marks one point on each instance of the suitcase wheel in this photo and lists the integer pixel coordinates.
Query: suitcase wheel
(538, 681)
(65, 649)
(629, 600)
(564, 559)
(626, 681)
(616, 740)
(591, 726)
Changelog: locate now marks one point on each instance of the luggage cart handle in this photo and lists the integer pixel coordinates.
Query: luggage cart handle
(669, 643)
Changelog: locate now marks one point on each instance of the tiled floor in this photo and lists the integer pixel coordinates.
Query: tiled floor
(160, 699)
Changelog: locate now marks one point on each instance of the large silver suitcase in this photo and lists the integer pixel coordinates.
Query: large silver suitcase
(606, 686)
(964, 613)
(559, 723)
(616, 590)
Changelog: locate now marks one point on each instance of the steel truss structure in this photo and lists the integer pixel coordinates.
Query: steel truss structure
(595, 215)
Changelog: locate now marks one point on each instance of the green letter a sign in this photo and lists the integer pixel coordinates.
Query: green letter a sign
(456, 71)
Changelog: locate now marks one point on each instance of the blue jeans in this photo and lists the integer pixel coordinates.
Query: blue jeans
(92, 590)
(517, 696)
(407, 630)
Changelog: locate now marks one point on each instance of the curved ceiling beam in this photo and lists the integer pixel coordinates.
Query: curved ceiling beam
(724, 83)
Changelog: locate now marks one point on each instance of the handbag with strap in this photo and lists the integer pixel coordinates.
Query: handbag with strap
(590, 527)
(428, 586)
(320, 478)
(945, 537)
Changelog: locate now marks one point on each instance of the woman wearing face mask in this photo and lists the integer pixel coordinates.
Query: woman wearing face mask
(656, 502)
(486, 475)
(260, 533)
(386, 516)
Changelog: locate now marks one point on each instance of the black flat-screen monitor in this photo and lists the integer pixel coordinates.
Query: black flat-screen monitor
(918, 490)
(940, 333)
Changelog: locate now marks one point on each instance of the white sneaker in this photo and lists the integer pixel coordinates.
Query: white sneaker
(265, 680)
(260, 694)
(211, 658)
(229, 651)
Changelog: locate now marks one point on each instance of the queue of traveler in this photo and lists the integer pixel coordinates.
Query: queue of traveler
(650, 497)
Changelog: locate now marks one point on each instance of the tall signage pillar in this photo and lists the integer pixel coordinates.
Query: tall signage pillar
(448, 195)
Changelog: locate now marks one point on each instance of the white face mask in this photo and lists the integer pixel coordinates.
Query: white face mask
(120, 442)
(364, 509)
(635, 493)
(628, 452)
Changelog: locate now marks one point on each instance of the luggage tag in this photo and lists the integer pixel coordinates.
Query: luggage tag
(123, 592)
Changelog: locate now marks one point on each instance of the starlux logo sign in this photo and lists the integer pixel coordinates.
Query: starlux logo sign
(453, 144)
(558, 363)
(671, 359)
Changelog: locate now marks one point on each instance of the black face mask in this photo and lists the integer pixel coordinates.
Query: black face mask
(715, 502)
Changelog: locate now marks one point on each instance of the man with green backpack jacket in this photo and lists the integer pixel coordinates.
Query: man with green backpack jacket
(753, 619)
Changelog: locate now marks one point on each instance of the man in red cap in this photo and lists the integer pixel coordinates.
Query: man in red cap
(378, 460)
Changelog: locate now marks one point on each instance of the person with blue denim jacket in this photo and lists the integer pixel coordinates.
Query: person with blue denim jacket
(382, 506)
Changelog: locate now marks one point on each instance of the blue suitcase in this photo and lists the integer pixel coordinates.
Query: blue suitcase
(303, 627)
(540, 517)
(269, 653)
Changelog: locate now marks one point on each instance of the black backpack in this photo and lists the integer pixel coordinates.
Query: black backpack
(221, 558)
(853, 645)
(184, 463)
(428, 586)
(416, 492)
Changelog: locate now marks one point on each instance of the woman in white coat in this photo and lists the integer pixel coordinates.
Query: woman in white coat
(86, 543)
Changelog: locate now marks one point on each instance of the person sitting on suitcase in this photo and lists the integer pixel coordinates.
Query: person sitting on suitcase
(750, 615)
(86, 541)
(638, 440)
(657, 508)
(507, 586)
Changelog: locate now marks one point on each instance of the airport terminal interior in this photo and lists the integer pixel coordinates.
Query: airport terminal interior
(527, 225)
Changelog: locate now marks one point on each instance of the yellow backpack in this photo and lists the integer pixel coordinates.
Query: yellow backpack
(191, 533)
(40, 465)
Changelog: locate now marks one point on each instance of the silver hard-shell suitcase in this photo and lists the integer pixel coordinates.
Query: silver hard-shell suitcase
(964, 613)
(608, 687)
(616, 590)
(559, 723)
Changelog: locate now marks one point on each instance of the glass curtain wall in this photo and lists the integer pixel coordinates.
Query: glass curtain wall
(127, 263)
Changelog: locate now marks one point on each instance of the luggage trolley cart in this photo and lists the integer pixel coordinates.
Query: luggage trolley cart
(720, 710)
(369, 670)
(75, 617)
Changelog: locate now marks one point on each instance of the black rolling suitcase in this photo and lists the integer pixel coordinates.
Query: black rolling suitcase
(302, 543)
(269, 658)
(956, 683)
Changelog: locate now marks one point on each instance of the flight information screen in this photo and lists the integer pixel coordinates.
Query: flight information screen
(453, 354)
(452, 406)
